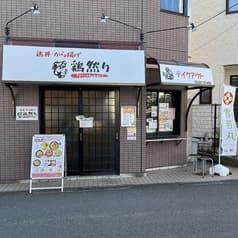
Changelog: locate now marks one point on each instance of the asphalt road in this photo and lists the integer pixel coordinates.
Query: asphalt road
(172, 210)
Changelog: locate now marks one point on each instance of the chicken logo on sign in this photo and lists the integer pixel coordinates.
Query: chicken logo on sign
(168, 74)
(59, 69)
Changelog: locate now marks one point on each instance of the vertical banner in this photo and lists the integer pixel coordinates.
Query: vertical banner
(228, 124)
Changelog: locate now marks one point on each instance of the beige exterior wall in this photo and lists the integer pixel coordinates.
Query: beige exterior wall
(213, 43)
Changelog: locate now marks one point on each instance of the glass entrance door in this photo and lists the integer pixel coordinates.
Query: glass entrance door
(93, 150)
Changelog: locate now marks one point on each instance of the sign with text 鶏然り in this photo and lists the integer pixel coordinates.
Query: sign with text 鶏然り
(48, 155)
(26, 113)
(185, 75)
(73, 65)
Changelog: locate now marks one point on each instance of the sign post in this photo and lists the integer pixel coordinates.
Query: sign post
(47, 159)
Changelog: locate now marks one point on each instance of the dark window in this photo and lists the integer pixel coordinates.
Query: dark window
(177, 6)
(206, 97)
(234, 82)
(162, 113)
(231, 6)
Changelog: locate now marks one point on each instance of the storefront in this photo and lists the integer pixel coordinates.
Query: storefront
(167, 110)
(115, 122)
(90, 95)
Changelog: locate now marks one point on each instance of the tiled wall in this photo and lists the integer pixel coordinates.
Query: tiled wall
(132, 153)
(80, 20)
(15, 136)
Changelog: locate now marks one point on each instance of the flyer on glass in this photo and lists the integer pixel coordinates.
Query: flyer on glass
(47, 159)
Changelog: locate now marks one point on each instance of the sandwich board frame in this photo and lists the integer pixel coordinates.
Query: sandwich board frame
(47, 160)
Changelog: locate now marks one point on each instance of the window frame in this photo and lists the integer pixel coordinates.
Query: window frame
(205, 100)
(232, 79)
(183, 13)
(176, 123)
(227, 8)
(234, 82)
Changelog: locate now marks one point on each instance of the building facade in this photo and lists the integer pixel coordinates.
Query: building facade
(108, 146)
(213, 42)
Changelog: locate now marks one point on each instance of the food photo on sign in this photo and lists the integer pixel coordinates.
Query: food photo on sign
(47, 156)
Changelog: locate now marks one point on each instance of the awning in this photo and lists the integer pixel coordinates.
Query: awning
(178, 73)
(188, 75)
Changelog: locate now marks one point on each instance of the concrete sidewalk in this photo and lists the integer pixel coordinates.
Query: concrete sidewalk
(171, 175)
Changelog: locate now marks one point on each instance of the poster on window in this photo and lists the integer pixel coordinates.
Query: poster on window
(152, 124)
(165, 125)
(171, 115)
(153, 111)
(163, 111)
(47, 159)
(128, 116)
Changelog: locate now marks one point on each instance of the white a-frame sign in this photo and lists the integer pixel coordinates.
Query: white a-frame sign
(47, 160)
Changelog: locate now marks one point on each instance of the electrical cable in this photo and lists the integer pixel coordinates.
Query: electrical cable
(216, 15)
(215, 38)
(160, 48)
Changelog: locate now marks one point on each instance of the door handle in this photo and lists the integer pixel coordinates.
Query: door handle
(117, 136)
(80, 136)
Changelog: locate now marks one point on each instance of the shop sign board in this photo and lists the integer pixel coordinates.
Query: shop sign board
(26, 113)
(185, 75)
(73, 65)
(48, 156)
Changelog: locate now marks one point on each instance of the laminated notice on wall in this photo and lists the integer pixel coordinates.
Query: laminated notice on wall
(128, 116)
(131, 133)
(27, 113)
